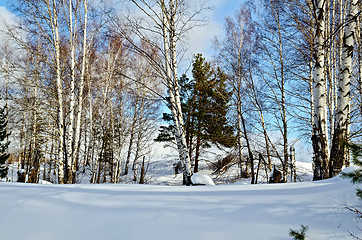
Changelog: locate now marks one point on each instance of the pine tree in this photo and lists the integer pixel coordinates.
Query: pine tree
(356, 175)
(299, 235)
(205, 103)
(4, 143)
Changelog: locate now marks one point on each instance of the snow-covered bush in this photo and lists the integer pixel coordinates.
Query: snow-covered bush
(201, 179)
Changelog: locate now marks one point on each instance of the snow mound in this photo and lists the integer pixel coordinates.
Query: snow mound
(350, 169)
(45, 182)
(201, 179)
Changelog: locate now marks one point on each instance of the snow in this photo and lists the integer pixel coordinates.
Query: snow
(93, 212)
(350, 169)
(201, 179)
(44, 182)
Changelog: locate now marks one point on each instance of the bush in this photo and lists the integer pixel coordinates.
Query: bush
(223, 164)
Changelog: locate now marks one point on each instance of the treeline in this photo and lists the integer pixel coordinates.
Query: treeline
(86, 85)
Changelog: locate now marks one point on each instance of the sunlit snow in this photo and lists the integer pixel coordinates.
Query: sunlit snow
(201, 179)
(221, 212)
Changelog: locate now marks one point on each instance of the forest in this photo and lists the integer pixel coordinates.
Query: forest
(89, 86)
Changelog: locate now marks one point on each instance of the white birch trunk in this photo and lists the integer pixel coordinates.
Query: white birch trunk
(55, 31)
(262, 122)
(91, 136)
(72, 43)
(81, 87)
(329, 66)
(239, 38)
(293, 170)
(283, 105)
(132, 135)
(359, 36)
(311, 94)
(139, 136)
(169, 39)
(183, 148)
(339, 151)
(320, 128)
(167, 21)
(240, 134)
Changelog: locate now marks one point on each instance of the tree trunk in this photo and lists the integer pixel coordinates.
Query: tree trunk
(293, 170)
(262, 122)
(251, 157)
(283, 111)
(143, 172)
(239, 135)
(169, 39)
(140, 133)
(81, 89)
(132, 136)
(339, 150)
(60, 114)
(320, 130)
(197, 150)
(359, 36)
(69, 177)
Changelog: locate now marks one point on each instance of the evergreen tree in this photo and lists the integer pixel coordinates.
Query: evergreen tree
(356, 175)
(3, 142)
(205, 103)
(299, 234)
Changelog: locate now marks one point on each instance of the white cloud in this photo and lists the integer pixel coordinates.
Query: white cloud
(5, 15)
(201, 38)
(6, 19)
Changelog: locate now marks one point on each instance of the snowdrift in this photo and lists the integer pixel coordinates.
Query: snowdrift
(222, 212)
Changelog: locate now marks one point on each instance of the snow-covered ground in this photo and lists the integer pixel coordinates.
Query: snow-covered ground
(221, 212)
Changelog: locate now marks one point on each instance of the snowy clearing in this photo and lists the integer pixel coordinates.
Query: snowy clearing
(107, 212)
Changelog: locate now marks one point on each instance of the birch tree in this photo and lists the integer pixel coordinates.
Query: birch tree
(331, 53)
(53, 9)
(170, 21)
(236, 52)
(41, 21)
(320, 130)
(301, 27)
(62, 29)
(275, 51)
(75, 40)
(85, 53)
(169, 40)
(341, 131)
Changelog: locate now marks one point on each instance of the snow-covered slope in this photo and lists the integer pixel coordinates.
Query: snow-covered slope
(225, 212)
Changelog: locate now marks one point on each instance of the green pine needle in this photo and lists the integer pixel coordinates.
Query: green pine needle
(299, 234)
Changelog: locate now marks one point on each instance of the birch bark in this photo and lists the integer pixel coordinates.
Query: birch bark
(171, 23)
(359, 27)
(60, 113)
(81, 88)
(320, 130)
(341, 137)
(169, 41)
(69, 160)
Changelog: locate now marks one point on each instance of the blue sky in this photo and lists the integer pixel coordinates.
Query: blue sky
(224, 5)
(201, 38)
(222, 8)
